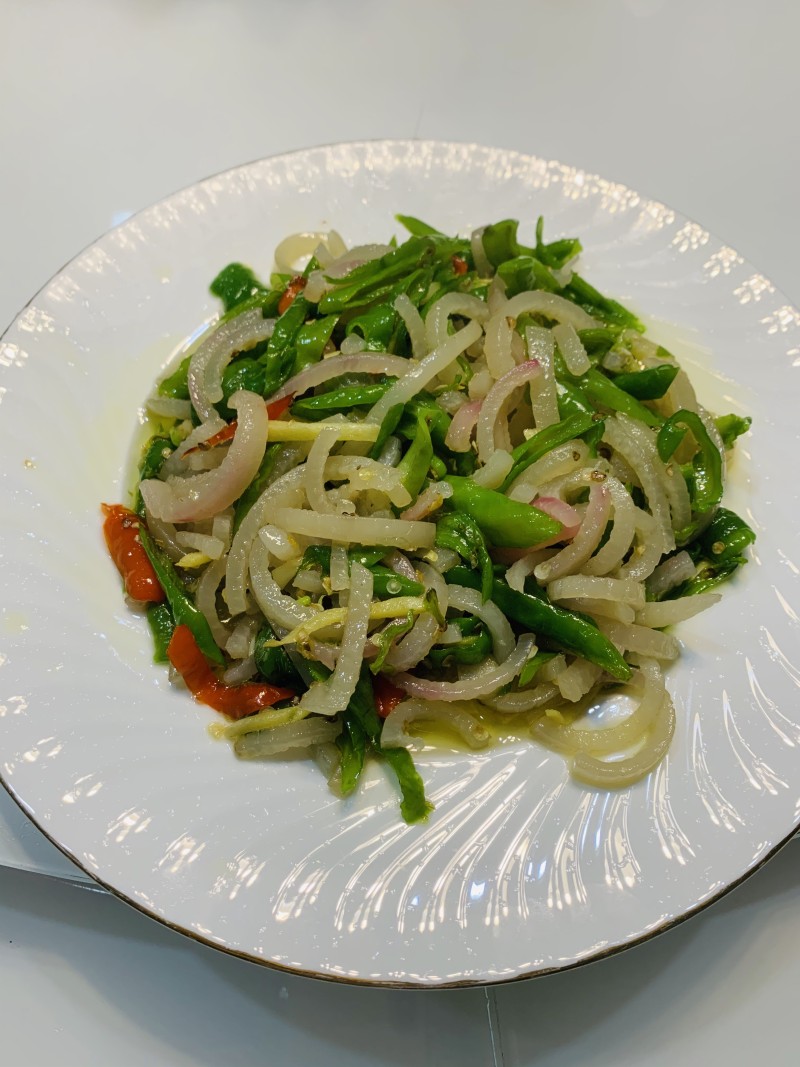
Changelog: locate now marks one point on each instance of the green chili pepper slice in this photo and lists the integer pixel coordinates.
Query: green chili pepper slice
(310, 341)
(546, 440)
(505, 523)
(650, 384)
(183, 607)
(570, 631)
(414, 465)
(336, 401)
(273, 663)
(162, 626)
(706, 462)
(732, 426)
(726, 537)
(475, 644)
(461, 534)
(279, 359)
(361, 725)
(602, 392)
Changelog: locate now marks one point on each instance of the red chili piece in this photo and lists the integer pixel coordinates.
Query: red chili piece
(235, 701)
(121, 532)
(274, 410)
(387, 696)
(295, 286)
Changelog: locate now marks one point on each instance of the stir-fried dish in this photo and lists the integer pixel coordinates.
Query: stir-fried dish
(440, 484)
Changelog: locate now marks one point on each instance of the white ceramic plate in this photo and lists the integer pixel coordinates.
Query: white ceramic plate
(519, 871)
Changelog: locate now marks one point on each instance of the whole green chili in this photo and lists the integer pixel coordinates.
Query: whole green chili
(570, 631)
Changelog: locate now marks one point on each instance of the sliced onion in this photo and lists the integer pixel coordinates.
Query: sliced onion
(334, 366)
(445, 560)
(538, 302)
(414, 324)
(680, 395)
(672, 482)
(315, 471)
(493, 473)
(333, 695)
(352, 345)
(363, 531)
(625, 591)
(495, 400)
(497, 346)
(647, 549)
(165, 534)
(206, 600)
(469, 688)
(355, 257)
(340, 569)
(606, 609)
(287, 490)
(366, 475)
(464, 599)
(261, 744)
(176, 464)
(668, 612)
(496, 297)
(202, 461)
(410, 649)
(400, 564)
(284, 573)
(562, 512)
(428, 501)
(459, 432)
(623, 436)
(480, 383)
(168, 407)
(215, 353)
(209, 546)
(432, 579)
(316, 286)
(240, 672)
(395, 728)
(573, 740)
(672, 572)
(423, 373)
(560, 462)
(309, 581)
(391, 452)
(461, 304)
(201, 496)
(544, 396)
(623, 530)
(292, 250)
(520, 570)
(616, 774)
(525, 699)
(479, 257)
(585, 541)
(222, 526)
(280, 545)
(571, 348)
(324, 653)
(451, 401)
(280, 610)
(641, 639)
(576, 680)
(240, 644)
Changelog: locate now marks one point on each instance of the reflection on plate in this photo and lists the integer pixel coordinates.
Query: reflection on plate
(519, 871)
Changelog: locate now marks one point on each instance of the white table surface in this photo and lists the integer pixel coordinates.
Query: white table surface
(106, 106)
